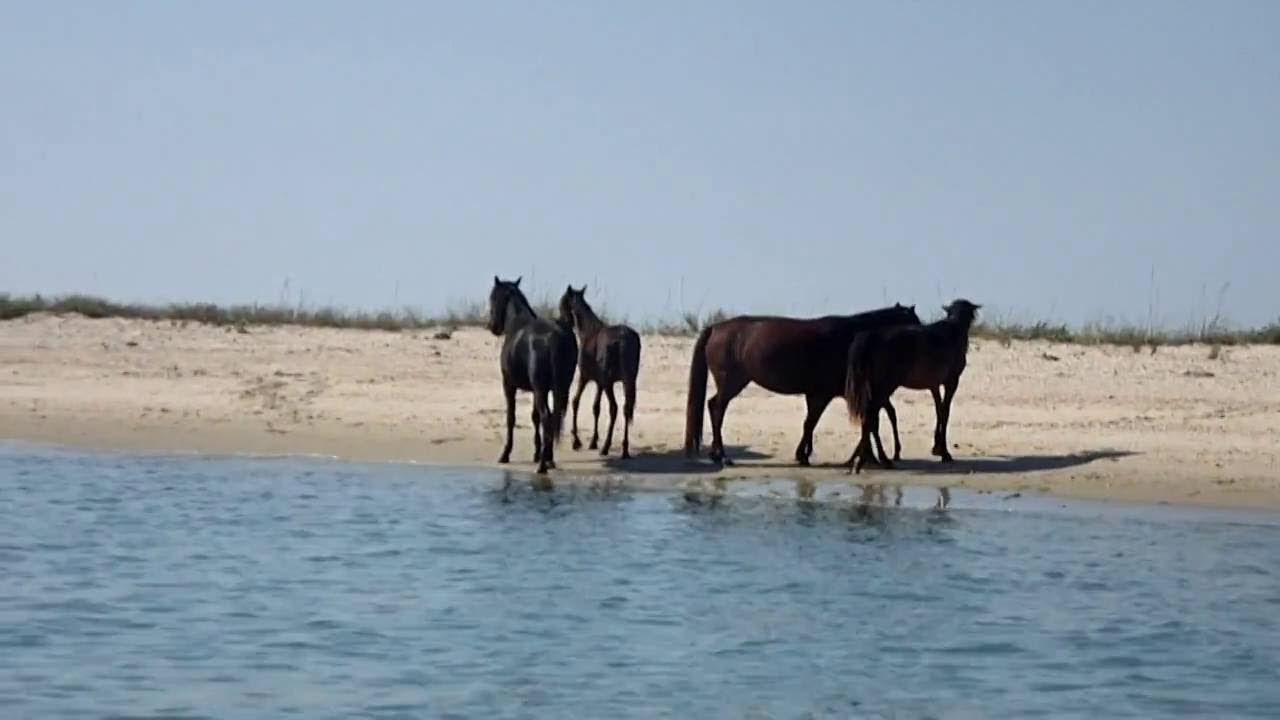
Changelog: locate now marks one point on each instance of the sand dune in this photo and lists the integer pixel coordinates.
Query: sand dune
(1104, 422)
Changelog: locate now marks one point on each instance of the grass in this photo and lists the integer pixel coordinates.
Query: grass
(1214, 333)
(475, 314)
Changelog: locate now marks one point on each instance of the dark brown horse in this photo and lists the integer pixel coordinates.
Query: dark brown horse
(537, 356)
(608, 354)
(920, 358)
(789, 356)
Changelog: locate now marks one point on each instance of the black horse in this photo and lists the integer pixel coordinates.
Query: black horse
(919, 357)
(609, 354)
(538, 355)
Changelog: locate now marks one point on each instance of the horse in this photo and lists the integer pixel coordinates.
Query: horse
(789, 356)
(607, 354)
(921, 358)
(537, 356)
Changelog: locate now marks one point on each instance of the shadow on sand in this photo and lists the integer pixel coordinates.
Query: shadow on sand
(673, 462)
(1006, 464)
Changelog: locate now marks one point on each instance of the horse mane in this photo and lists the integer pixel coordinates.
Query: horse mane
(590, 320)
(518, 295)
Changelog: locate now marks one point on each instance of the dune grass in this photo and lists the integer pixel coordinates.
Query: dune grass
(475, 314)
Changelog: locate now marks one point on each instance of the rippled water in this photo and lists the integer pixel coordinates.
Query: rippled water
(232, 588)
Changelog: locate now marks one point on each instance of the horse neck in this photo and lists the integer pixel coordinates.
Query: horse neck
(956, 331)
(846, 326)
(519, 312)
(588, 322)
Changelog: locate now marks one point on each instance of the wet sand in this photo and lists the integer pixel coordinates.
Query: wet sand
(1100, 422)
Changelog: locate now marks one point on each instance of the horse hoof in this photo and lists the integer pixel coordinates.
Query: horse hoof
(626, 454)
(593, 445)
(577, 444)
(504, 460)
(887, 464)
(947, 458)
(802, 461)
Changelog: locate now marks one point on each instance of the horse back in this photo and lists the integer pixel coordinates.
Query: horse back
(783, 355)
(922, 356)
(613, 353)
(537, 353)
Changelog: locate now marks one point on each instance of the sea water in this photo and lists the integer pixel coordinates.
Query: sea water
(186, 586)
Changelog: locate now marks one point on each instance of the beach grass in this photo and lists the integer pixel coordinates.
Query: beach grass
(475, 314)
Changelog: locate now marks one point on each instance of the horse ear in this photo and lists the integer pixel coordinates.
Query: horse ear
(583, 291)
(496, 281)
(517, 282)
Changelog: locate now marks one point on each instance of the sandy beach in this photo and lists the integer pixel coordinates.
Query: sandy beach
(1177, 425)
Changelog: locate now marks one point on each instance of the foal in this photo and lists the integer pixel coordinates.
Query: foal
(921, 358)
(607, 354)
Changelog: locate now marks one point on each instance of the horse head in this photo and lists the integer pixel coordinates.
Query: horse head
(907, 313)
(570, 304)
(961, 311)
(499, 299)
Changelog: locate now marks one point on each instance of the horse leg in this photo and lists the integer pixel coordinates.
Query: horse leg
(946, 418)
(716, 407)
(893, 421)
(537, 433)
(878, 455)
(582, 385)
(939, 447)
(613, 418)
(595, 410)
(548, 437)
(509, 389)
(883, 460)
(863, 450)
(815, 405)
(628, 412)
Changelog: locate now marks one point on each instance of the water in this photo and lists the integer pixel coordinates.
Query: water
(148, 586)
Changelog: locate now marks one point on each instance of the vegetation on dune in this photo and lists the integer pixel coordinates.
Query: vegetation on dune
(475, 314)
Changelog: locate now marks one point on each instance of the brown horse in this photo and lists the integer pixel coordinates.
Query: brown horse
(920, 358)
(607, 354)
(789, 356)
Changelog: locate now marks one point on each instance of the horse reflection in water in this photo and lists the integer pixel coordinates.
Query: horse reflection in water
(878, 496)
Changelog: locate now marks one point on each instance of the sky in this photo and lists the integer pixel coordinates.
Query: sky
(1068, 161)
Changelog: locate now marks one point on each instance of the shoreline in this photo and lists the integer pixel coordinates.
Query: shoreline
(719, 483)
(1099, 423)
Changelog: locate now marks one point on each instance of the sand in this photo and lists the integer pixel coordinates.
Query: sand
(1178, 425)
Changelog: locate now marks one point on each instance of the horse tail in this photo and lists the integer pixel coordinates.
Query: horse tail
(857, 381)
(697, 395)
(630, 371)
(564, 359)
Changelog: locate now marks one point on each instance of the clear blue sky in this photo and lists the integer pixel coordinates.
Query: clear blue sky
(812, 157)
